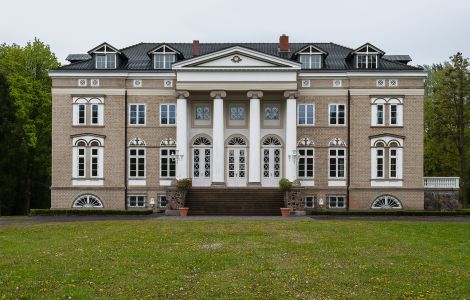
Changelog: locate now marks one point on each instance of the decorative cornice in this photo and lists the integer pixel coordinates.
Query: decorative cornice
(291, 94)
(181, 94)
(218, 94)
(255, 94)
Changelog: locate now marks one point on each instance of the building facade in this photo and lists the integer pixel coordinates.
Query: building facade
(346, 123)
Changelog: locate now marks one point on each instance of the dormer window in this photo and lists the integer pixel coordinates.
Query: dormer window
(311, 57)
(163, 57)
(367, 57)
(106, 56)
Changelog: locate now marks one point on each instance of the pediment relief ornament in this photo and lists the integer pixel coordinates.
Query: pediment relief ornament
(236, 59)
(337, 142)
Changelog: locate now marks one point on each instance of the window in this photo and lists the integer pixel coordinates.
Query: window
(87, 201)
(167, 114)
(337, 163)
(337, 201)
(162, 201)
(237, 112)
(380, 114)
(337, 114)
(81, 162)
(137, 162)
(310, 61)
(271, 113)
(306, 114)
(94, 162)
(136, 201)
(393, 163)
(306, 163)
(202, 113)
(380, 163)
(94, 114)
(366, 61)
(137, 114)
(163, 57)
(167, 163)
(105, 61)
(386, 202)
(88, 111)
(393, 114)
(81, 114)
(309, 201)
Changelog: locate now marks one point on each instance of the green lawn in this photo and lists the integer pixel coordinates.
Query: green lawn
(235, 259)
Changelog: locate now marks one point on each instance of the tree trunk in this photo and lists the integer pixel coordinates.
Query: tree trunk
(27, 190)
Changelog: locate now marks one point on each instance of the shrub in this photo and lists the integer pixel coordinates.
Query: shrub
(184, 184)
(88, 212)
(285, 185)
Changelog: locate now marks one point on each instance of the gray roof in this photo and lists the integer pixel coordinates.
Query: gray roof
(398, 58)
(136, 57)
(78, 57)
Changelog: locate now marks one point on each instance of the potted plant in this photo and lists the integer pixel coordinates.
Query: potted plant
(183, 185)
(285, 185)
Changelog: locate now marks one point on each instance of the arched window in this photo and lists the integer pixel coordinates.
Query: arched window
(386, 159)
(386, 202)
(137, 158)
(237, 141)
(271, 141)
(337, 159)
(87, 201)
(88, 111)
(167, 158)
(88, 157)
(202, 141)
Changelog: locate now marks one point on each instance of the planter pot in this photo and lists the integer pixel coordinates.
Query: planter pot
(183, 211)
(285, 211)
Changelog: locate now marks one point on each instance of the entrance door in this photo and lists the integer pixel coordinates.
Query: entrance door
(271, 167)
(236, 162)
(202, 162)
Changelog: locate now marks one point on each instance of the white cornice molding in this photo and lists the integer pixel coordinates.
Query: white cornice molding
(323, 92)
(150, 92)
(237, 86)
(345, 75)
(87, 91)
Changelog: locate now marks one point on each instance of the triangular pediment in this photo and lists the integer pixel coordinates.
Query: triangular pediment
(236, 57)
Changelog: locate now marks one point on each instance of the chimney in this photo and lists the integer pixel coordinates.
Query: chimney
(284, 43)
(196, 48)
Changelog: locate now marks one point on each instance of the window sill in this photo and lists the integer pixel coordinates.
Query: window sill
(137, 181)
(386, 182)
(386, 126)
(336, 182)
(87, 125)
(137, 125)
(87, 181)
(305, 125)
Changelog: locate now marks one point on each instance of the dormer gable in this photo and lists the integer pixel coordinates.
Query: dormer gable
(311, 57)
(163, 56)
(105, 56)
(366, 57)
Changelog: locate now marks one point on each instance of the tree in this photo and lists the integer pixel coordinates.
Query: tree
(25, 70)
(447, 120)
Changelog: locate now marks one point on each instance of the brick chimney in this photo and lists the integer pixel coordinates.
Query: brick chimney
(196, 48)
(284, 43)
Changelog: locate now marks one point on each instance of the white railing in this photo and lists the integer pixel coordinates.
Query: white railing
(441, 182)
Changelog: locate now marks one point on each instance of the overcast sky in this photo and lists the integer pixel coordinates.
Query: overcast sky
(428, 30)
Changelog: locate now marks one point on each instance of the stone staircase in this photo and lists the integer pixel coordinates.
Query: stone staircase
(234, 201)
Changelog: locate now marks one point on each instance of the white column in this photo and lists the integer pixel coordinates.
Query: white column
(291, 135)
(254, 156)
(182, 164)
(218, 138)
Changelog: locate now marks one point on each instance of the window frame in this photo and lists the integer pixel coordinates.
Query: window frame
(310, 64)
(106, 60)
(167, 105)
(97, 163)
(305, 116)
(137, 114)
(306, 157)
(144, 201)
(83, 157)
(336, 206)
(390, 112)
(390, 158)
(337, 105)
(137, 169)
(382, 158)
(367, 55)
(314, 198)
(159, 201)
(337, 157)
(169, 163)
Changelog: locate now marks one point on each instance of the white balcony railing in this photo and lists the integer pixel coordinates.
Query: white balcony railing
(441, 182)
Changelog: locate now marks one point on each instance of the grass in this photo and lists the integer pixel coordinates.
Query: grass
(229, 259)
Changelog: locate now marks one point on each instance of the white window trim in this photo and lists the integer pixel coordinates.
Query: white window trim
(377, 163)
(305, 114)
(105, 53)
(337, 196)
(137, 117)
(159, 202)
(168, 117)
(137, 163)
(136, 206)
(314, 198)
(164, 53)
(169, 159)
(366, 54)
(313, 167)
(387, 181)
(78, 156)
(345, 114)
(92, 180)
(345, 162)
(310, 64)
(399, 163)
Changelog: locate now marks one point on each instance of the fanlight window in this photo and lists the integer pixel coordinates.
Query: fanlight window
(237, 141)
(386, 202)
(200, 141)
(271, 141)
(87, 201)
